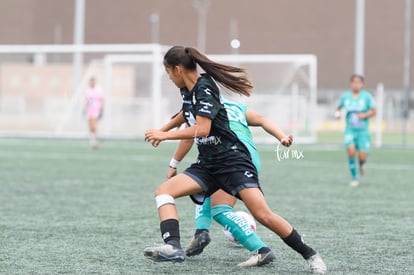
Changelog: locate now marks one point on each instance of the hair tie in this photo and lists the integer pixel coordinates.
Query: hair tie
(187, 50)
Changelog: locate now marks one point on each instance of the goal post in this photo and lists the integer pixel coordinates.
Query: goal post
(285, 92)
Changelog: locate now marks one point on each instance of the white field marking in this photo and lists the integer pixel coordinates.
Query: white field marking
(72, 156)
(370, 166)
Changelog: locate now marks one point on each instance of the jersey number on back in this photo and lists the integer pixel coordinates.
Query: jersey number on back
(236, 115)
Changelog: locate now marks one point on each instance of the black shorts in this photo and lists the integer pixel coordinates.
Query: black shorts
(231, 179)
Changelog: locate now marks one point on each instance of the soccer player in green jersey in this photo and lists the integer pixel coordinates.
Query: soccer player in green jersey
(220, 205)
(359, 106)
(223, 161)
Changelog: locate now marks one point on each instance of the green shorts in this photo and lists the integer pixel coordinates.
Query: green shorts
(360, 138)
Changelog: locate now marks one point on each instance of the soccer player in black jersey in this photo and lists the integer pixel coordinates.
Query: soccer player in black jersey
(223, 161)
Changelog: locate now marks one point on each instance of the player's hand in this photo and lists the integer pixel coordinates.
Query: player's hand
(155, 143)
(337, 114)
(287, 140)
(155, 136)
(361, 115)
(172, 172)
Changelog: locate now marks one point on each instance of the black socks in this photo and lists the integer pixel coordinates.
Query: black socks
(295, 241)
(199, 231)
(170, 232)
(264, 250)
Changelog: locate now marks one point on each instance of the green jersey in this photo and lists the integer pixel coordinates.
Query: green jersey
(360, 104)
(220, 147)
(236, 113)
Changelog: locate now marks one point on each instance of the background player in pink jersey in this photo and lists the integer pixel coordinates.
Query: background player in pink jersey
(93, 109)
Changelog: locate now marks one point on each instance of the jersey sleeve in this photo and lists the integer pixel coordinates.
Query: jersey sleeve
(371, 102)
(207, 102)
(243, 107)
(341, 101)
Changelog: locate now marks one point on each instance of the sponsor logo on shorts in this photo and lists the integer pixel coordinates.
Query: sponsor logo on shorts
(248, 174)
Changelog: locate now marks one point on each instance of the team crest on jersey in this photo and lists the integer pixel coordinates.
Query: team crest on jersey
(235, 114)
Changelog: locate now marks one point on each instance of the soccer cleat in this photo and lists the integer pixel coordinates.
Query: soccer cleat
(197, 244)
(316, 264)
(258, 259)
(354, 183)
(164, 253)
(362, 169)
(94, 144)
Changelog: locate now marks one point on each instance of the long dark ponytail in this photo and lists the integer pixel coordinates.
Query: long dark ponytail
(233, 78)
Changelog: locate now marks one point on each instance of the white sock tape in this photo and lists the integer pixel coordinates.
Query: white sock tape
(163, 200)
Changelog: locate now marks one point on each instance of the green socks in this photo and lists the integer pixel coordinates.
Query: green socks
(353, 168)
(224, 215)
(203, 215)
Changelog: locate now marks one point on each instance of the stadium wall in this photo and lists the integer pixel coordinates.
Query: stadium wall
(321, 27)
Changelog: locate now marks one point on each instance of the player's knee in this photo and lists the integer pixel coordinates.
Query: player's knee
(161, 190)
(351, 153)
(164, 199)
(263, 217)
(164, 188)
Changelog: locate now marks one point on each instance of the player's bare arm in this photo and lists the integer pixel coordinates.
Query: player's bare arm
(200, 129)
(337, 113)
(175, 122)
(255, 119)
(370, 113)
(182, 149)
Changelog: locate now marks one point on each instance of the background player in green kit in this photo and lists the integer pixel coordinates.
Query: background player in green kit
(221, 208)
(359, 106)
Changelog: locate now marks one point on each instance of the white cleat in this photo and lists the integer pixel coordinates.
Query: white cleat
(354, 183)
(164, 253)
(258, 259)
(362, 169)
(317, 265)
(94, 144)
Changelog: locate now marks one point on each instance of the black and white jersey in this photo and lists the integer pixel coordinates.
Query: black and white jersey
(221, 144)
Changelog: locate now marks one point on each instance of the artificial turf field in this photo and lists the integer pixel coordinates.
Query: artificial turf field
(67, 209)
